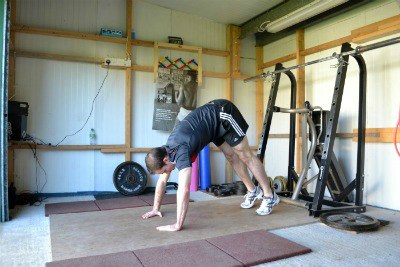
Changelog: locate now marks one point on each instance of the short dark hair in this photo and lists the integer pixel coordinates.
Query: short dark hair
(155, 159)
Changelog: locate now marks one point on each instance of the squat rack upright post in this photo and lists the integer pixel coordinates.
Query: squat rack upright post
(358, 183)
(268, 119)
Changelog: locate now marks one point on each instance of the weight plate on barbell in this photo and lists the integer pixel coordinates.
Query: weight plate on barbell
(349, 221)
(279, 184)
(130, 178)
(271, 181)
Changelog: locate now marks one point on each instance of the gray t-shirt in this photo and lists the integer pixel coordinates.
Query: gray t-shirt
(194, 132)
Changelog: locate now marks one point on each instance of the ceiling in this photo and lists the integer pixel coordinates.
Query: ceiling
(250, 14)
(234, 12)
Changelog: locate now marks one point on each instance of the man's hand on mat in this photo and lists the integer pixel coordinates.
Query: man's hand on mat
(169, 228)
(151, 214)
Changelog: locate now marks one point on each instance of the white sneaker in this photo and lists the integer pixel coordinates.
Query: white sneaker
(267, 204)
(251, 197)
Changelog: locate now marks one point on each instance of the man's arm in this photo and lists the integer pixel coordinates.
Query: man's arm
(158, 196)
(182, 201)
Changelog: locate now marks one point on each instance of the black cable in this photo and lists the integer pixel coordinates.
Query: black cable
(35, 201)
(91, 110)
(34, 151)
(32, 138)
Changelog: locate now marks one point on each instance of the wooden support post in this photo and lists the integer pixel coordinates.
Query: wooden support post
(128, 123)
(128, 28)
(128, 82)
(229, 90)
(232, 68)
(235, 50)
(259, 93)
(155, 62)
(301, 85)
(200, 67)
(233, 58)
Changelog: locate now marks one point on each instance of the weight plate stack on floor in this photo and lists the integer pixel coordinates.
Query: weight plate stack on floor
(225, 190)
(130, 178)
(231, 187)
(211, 188)
(349, 221)
(240, 188)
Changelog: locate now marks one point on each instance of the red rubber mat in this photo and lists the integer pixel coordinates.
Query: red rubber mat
(70, 207)
(115, 259)
(243, 249)
(105, 204)
(194, 253)
(120, 203)
(256, 247)
(167, 199)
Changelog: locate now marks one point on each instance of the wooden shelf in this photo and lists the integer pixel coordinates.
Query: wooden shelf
(325, 46)
(25, 145)
(97, 37)
(238, 76)
(124, 150)
(28, 54)
(142, 68)
(376, 30)
(278, 60)
(68, 34)
(375, 135)
(99, 61)
(378, 135)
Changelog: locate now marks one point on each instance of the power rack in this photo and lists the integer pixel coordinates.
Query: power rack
(330, 174)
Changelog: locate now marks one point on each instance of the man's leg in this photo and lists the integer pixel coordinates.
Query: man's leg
(238, 165)
(242, 150)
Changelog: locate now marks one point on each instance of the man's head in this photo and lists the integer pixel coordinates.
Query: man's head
(157, 161)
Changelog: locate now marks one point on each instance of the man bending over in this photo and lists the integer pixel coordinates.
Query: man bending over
(220, 122)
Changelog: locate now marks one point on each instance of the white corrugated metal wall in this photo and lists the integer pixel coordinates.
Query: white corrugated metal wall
(194, 31)
(60, 93)
(383, 99)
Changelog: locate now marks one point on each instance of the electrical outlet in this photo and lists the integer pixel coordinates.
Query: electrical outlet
(120, 62)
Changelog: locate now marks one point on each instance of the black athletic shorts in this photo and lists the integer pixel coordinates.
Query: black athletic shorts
(233, 126)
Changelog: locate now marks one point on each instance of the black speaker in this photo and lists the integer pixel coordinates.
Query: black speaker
(17, 120)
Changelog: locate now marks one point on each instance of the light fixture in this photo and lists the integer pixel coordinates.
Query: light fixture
(303, 13)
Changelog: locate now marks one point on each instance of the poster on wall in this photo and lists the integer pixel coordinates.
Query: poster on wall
(175, 97)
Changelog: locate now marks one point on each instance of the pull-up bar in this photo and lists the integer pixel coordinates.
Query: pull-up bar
(357, 50)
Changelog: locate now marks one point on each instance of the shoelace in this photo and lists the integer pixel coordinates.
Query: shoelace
(269, 200)
(250, 197)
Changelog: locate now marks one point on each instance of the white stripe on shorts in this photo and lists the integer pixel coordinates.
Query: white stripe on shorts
(234, 124)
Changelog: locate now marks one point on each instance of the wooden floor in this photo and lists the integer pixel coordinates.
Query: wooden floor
(95, 233)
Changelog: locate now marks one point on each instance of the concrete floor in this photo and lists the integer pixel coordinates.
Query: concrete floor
(25, 241)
